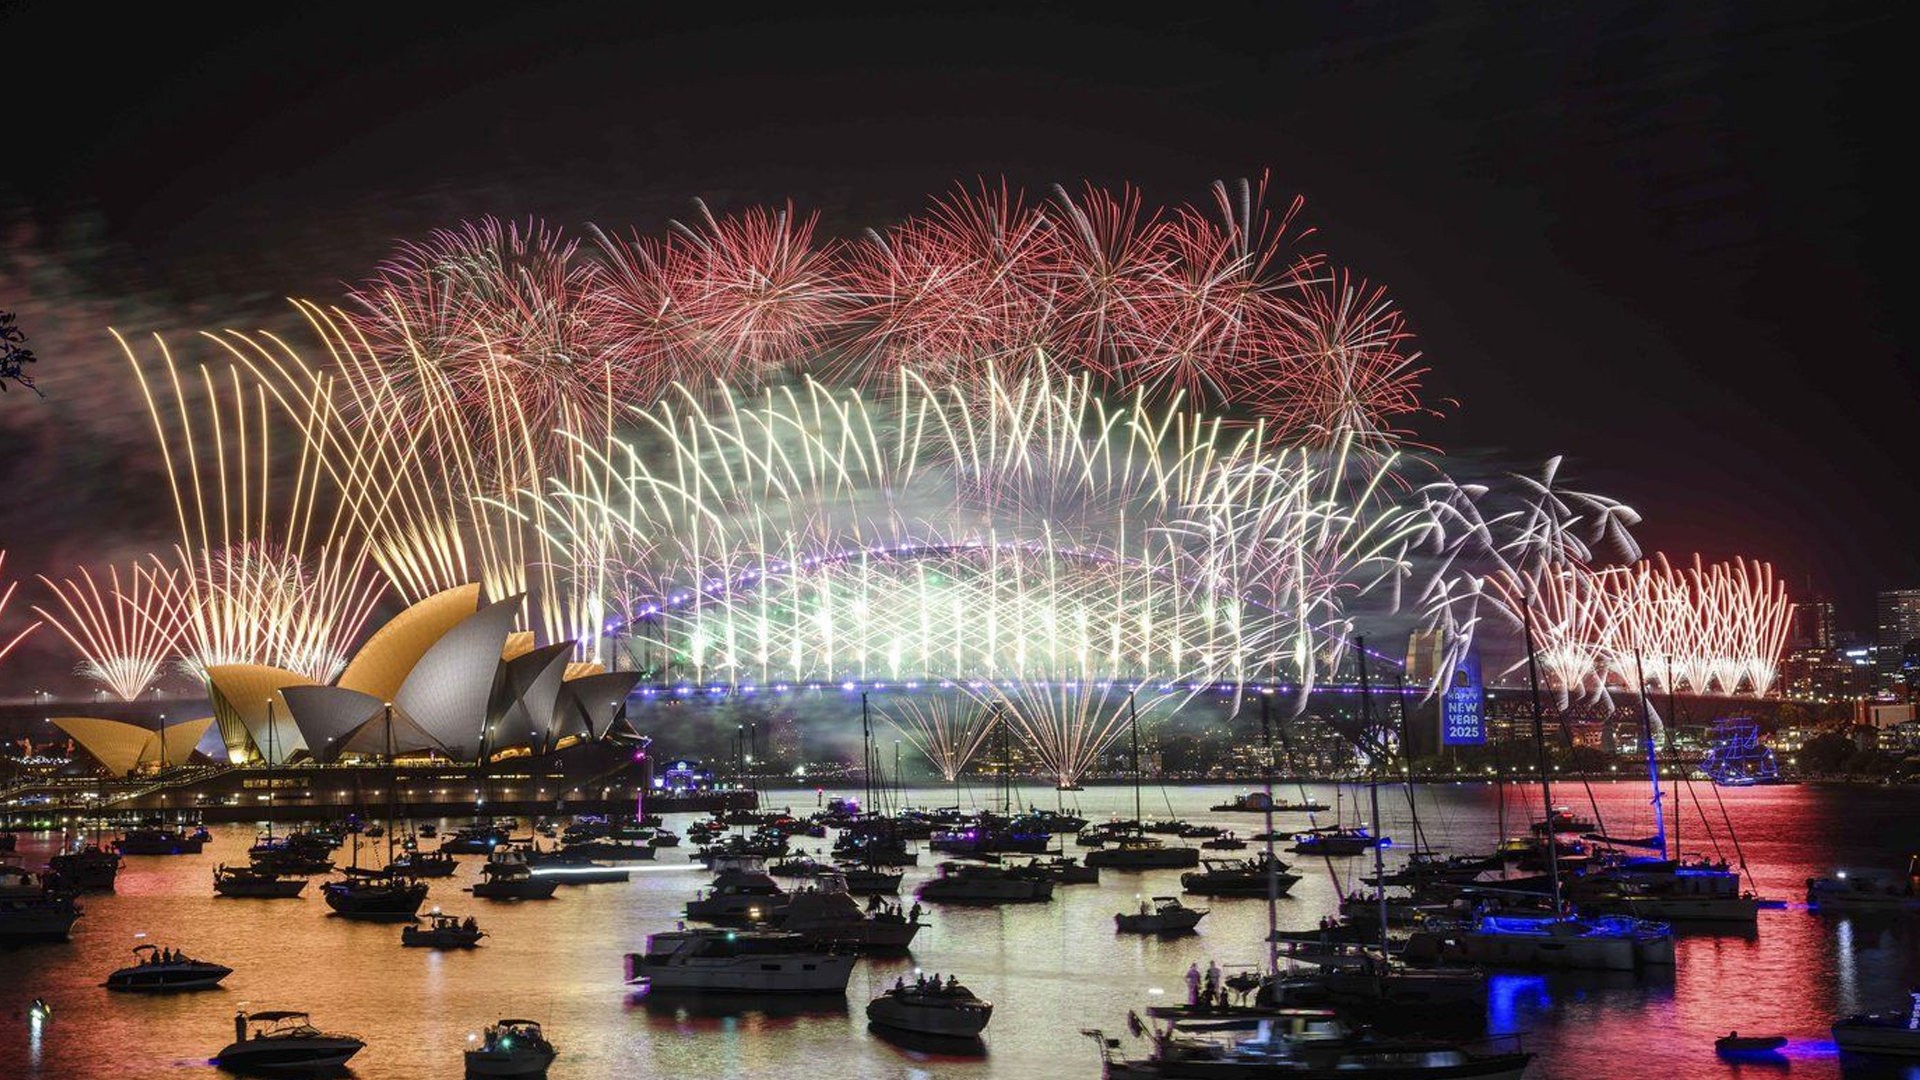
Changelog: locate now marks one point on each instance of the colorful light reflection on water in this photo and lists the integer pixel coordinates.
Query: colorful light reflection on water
(1051, 970)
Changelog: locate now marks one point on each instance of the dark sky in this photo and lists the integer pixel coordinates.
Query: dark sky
(1657, 238)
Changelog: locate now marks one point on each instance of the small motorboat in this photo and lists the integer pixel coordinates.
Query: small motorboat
(1735, 1043)
(931, 1007)
(511, 1048)
(443, 932)
(1166, 915)
(256, 883)
(162, 971)
(282, 1041)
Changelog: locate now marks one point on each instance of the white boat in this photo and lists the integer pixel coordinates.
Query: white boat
(738, 961)
(162, 973)
(511, 1048)
(929, 1007)
(1166, 915)
(279, 1041)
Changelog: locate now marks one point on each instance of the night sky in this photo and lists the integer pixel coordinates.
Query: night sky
(1660, 239)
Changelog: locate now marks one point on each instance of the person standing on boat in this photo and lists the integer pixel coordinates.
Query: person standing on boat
(1193, 983)
(1213, 978)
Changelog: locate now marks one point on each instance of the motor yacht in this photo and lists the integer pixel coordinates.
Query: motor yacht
(1141, 852)
(1239, 877)
(1848, 891)
(442, 932)
(30, 911)
(1165, 915)
(572, 868)
(256, 883)
(612, 850)
(476, 839)
(508, 876)
(161, 841)
(160, 971)
(1061, 870)
(737, 898)
(1298, 1044)
(825, 914)
(931, 1007)
(374, 894)
(960, 883)
(739, 961)
(511, 1048)
(279, 1041)
(88, 869)
(1334, 841)
(868, 881)
(1892, 1033)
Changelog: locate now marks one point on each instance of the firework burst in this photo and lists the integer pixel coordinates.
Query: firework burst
(124, 633)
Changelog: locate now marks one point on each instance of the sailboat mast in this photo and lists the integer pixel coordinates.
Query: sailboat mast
(1653, 758)
(866, 756)
(1673, 720)
(1273, 879)
(1373, 796)
(1133, 726)
(1540, 749)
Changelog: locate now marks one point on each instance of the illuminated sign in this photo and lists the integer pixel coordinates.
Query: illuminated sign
(1463, 716)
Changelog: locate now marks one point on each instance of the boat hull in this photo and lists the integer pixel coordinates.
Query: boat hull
(287, 1055)
(949, 1023)
(492, 1063)
(750, 975)
(1861, 1038)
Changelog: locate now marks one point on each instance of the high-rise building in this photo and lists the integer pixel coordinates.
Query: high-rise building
(1896, 622)
(1813, 624)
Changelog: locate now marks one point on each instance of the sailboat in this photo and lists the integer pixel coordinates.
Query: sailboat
(1552, 938)
(1658, 887)
(377, 894)
(1136, 850)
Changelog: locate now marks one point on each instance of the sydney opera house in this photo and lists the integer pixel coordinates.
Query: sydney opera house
(447, 701)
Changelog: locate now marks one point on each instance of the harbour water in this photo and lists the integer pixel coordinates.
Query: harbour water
(1050, 970)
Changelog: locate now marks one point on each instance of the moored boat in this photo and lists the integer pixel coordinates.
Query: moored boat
(1165, 915)
(511, 1048)
(442, 932)
(163, 971)
(284, 1041)
(738, 961)
(931, 1007)
(255, 883)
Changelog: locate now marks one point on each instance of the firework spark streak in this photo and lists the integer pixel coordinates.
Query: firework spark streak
(947, 730)
(255, 584)
(124, 634)
(7, 645)
(1034, 532)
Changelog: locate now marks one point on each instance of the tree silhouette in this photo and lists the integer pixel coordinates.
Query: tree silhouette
(14, 355)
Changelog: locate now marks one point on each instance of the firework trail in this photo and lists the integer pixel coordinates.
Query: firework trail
(7, 645)
(255, 583)
(947, 729)
(123, 634)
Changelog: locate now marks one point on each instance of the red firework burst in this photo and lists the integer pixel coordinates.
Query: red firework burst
(488, 306)
(977, 281)
(1351, 372)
